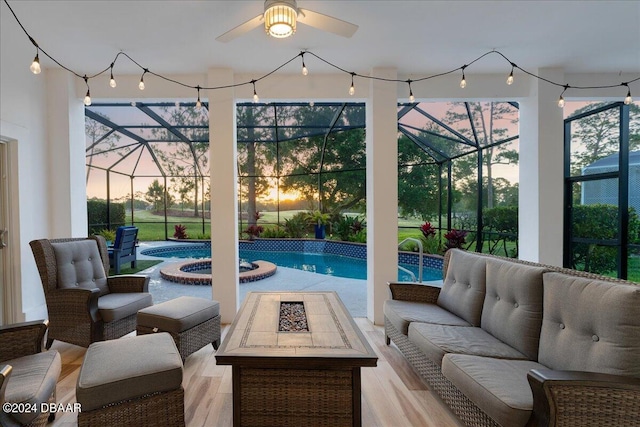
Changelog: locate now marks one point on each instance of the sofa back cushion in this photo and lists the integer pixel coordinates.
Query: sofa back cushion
(512, 310)
(79, 265)
(590, 325)
(464, 286)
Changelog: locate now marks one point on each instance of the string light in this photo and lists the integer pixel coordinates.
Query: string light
(628, 99)
(411, 97)
(36, 69)
(198, 103)
(87, 97)
(112, 81)
(141, 84)
(561, 99)
(510, 78)
(255, 94)
(35, 65)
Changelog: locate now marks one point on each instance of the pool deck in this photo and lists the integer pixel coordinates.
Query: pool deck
(352, 292)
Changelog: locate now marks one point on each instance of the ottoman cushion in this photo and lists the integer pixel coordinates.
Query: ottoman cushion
(128, 368)
(178, 314)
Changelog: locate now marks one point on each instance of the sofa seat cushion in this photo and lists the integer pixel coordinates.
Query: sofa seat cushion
(128, 368)
(499, 387)
(179, 314)
(437, 340)
(117, 306)
(33, 380)
(402, 313)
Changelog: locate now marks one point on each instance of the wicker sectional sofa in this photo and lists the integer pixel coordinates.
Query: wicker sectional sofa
(512, 343)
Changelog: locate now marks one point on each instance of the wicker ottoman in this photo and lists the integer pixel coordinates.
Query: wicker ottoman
(192, 322)
(131, 382)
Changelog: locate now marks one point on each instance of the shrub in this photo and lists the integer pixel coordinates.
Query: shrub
(109, 235)
(180, 231)
(254, 231)
(599, 222)
(455, 239)
(97, 215)
(350, 228)
(274, 233)
(431, 243)
(296, 226)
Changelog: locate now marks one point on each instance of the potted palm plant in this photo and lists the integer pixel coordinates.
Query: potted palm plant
(319, 221)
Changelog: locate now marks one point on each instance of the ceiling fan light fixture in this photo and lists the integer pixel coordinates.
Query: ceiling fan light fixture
(280, 18)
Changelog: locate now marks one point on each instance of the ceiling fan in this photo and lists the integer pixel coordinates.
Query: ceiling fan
(280, 18)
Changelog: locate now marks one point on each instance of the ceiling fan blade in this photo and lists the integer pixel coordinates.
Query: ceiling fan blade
(327, 23)
(241, 29)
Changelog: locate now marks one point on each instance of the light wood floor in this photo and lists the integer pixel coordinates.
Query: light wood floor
(392, 393)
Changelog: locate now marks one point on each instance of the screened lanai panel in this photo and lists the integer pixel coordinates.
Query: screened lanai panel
(493, 122)
(119, 188)
(412, 153)
(594, 141)
(257, 158)
(300, 156)
(345, 151)
(122, 114)
(128, 162)
(432, 119)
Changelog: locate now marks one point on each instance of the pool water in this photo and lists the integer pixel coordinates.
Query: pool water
(322, 263)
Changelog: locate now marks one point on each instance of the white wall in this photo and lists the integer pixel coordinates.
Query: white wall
(23, 120)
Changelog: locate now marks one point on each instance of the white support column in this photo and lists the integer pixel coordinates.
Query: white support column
(224, 205)
(540, 224)
(66, 150)
(382, 190)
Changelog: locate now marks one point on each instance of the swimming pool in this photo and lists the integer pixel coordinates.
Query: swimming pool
(315, 262)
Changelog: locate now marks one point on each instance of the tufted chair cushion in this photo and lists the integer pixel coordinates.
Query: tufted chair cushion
(79, 265)
(464, 286)
(512, 310)
(590, 325)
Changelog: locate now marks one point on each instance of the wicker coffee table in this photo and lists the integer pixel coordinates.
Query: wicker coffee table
(285, 375)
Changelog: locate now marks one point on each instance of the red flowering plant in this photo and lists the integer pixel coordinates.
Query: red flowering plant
(430, 240)
(455, 239)
(254, 231)
(180, 231)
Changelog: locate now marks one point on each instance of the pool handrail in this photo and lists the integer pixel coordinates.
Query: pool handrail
(420, 261)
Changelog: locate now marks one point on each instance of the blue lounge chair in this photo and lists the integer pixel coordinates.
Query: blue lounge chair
(124, 248)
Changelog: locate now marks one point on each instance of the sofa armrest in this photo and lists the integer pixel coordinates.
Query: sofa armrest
(414, 292)
(128, 283)
(22, 339)
(583, 398)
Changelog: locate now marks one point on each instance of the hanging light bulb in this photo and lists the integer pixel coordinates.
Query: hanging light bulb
(35, 65)
(463, 82)
(255, 94)
(411, 97)
(510, 78)
(561, 102)
(628, 100)
(141, 84)
(352, 89)
(198, 103)
(87, 97)
(112, 81)
(305, 71)
(561, 99)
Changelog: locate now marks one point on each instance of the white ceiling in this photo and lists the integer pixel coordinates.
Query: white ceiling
(417, 37)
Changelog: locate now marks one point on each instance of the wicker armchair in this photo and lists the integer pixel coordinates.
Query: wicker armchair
(84, 304)
(28, 376)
